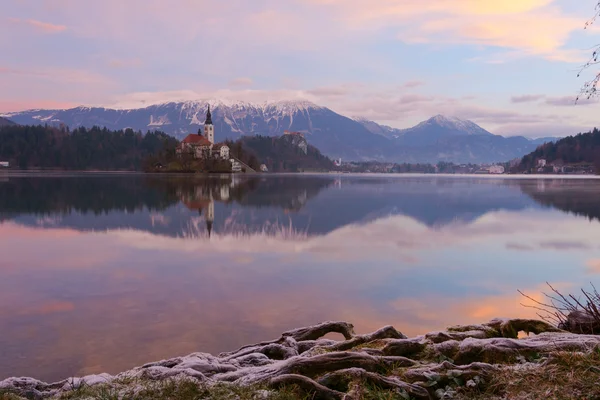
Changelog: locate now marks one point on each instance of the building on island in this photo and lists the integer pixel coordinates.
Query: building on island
(496, 169)
(203, 146)
(264, 168)
(235, 166)
(293, 133)
(4, 164)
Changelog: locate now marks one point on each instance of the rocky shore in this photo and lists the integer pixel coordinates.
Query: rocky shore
(484, 361)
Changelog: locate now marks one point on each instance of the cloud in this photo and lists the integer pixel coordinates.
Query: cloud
(8, 106)
(519, 247)
(124, 62)
(564, 245)
(572, 101)
(238, 82)
(530, 27)
(39, 25)
(333, 91)
(527, 98)
(413, 84)
(593, 266)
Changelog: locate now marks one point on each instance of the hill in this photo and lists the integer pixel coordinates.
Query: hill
(287, 153)
(580, 150)
(336, 135)
(83, 149)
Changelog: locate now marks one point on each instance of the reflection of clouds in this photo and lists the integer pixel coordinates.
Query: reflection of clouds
(386, 238)
(43, 308)
(141, 296)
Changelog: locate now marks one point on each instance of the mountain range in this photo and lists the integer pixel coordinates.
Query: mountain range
(438, 139)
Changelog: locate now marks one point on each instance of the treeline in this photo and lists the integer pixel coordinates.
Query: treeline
(284, 153)
(46, 147)
(580, 149)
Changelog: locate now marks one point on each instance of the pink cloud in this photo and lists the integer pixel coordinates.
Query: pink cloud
(532, 27)
(7, 106)
(242, 81)
(413, 84)
(527, 98)
(39, 25)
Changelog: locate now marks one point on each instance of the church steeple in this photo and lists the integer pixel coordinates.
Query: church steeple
(209, 129)
(208, 117)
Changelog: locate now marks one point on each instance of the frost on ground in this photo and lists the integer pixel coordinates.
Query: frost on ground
(463, 362)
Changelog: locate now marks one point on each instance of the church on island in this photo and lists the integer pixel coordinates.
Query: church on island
(204, 146)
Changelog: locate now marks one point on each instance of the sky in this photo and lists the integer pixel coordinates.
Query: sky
(509, 65)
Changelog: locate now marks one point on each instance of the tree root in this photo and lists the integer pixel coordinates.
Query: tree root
(307, 385)
(330, 370)
(343, 379)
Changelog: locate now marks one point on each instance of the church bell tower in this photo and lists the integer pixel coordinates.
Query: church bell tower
(209, 129)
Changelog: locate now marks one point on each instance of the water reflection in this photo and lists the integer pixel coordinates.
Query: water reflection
(105, 273)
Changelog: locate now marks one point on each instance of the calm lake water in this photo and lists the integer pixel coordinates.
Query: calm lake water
(104, 273)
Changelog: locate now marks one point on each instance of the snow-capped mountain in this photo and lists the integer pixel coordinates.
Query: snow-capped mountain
(437, 139)
(334, 134)
(438, 128)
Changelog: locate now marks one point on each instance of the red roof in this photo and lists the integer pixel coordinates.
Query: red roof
(197, 140)
(219, 145)
(198, 204)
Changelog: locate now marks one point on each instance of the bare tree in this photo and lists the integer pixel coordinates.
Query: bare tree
(590, 88)
(575, 314)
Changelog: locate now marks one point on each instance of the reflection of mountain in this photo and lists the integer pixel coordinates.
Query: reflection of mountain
(575, 196)
(289, 193)
(179, 206)
(172, 205)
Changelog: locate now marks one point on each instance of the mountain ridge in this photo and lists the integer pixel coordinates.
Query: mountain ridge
(336, 135)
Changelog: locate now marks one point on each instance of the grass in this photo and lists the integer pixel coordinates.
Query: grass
(563, 376)
(9, 396)
(175, 389)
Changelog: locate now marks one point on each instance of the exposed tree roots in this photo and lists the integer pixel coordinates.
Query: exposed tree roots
(417, 368)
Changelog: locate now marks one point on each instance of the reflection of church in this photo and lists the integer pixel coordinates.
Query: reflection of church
(201, 198)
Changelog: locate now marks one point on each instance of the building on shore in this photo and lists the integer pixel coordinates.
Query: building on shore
(203, 146)
(4, 164)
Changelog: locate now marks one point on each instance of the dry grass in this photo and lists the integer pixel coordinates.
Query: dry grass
(564, 375)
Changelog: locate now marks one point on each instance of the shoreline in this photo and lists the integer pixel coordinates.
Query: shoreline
(461, 362)
(22, 173)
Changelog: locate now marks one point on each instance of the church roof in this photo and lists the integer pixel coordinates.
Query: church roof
(219, 145)
(197, 204)
(196, 140)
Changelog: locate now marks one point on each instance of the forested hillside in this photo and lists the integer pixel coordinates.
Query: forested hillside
(5, 122)
(45, 147)
(573, 150)
(286, 153)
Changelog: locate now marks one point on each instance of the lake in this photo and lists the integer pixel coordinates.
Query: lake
(101, 273)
